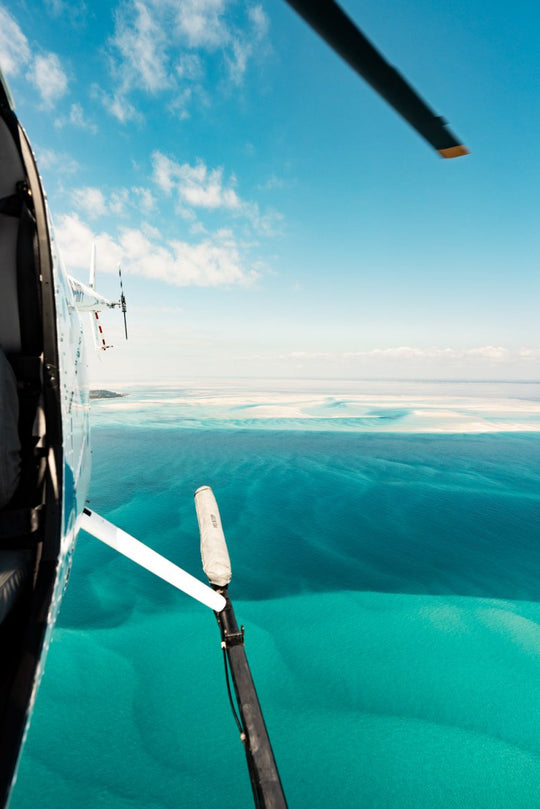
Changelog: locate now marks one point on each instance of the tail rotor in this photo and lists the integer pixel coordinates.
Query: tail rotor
(122, 302)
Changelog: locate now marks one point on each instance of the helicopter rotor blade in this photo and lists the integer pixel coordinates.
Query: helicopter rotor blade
(338, 30)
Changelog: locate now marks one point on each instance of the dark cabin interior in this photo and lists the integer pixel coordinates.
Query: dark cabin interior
(23, 447)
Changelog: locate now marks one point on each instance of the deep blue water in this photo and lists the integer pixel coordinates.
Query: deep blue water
(389, 585)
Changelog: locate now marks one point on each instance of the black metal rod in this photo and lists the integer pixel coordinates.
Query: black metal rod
(265, 781)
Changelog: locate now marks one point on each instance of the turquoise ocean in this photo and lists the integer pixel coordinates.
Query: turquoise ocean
(385, 545)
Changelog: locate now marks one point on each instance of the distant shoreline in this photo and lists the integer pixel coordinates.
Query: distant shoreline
(106, 394)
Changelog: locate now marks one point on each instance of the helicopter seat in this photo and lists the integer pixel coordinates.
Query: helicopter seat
(11, 174)
(10, 445)
(22, 451)
(15, 563)
(15, 572)
(20, 304)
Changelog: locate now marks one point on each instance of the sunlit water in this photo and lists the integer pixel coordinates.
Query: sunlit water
(388, 578)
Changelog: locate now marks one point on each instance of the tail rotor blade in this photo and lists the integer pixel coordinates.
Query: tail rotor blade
(123, 304)
(338, 30)
(92, 280)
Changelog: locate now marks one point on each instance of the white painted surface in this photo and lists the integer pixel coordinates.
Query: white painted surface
(155, 563)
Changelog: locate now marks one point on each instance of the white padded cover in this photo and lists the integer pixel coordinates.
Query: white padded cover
(214, 553)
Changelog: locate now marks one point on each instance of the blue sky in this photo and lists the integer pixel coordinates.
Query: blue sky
(273, 217)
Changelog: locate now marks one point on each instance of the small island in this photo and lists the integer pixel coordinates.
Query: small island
(105, 394)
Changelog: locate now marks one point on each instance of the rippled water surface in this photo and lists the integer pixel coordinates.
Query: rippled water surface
(388, 582)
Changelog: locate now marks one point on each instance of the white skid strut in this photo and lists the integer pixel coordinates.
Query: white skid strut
(145, 557)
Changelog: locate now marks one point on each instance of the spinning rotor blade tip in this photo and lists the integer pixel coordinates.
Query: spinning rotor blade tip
(454, 151)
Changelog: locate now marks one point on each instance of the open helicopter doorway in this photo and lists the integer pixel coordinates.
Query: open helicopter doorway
(30, 437)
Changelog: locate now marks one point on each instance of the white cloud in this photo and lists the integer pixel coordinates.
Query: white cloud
(259, 21)
(163, 45)
(529, 354)
(198, 186)
(190, 66)
(141, 43)
(68, 10)
(491, 353)
(272, 183)
(409, 355)
(267, 224)
(164, 173)
(44, 71)
(144, 199)
(119, 201)
(117, 105)
(214, 261)
(61, 162)
(50, 79)
(78, 119)
(197, 228)
(56, 7)
(201, 23)
(179, 105)
(75, 239)
(93, 203)
(245, 44)
(90, 201)
(14, 48)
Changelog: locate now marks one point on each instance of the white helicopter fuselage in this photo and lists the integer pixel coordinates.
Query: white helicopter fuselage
(42, 338)
(75, 413)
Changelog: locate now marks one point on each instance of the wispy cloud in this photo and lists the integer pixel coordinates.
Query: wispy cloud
(117, 105)
(140, 41)
(273, 183)
(61, 162)
(489, 353)
(492, 355)
(189, 66)
(77, 118)
(214, 261)
(49, 77)
(14, 47)
(44, 70)
(201, 23)
(94, 203)
(208, 252)
(91, 201)
(198, 186)
(244, 46)
(162, 46)
(75, 13)
(144, 199)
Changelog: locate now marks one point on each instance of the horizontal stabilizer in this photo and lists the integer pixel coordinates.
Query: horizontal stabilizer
(153, 562)
(87, 299)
